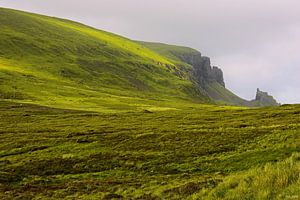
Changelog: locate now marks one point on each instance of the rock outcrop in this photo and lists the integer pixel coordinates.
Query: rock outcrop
(264, 99)
(210, 80)
(217, 74)
(203, 73)
(207, 79)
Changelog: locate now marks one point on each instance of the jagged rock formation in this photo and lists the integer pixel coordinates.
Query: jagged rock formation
(206, 74)
(210, 80)
(218, 75)
(206, 78)
(264, 99)
(203, 72)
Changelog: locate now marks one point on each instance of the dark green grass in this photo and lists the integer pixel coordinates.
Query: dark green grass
(53, 153)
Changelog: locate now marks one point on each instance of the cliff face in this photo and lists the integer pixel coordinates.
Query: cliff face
(206, 78)
(210, 80)
(203, 73)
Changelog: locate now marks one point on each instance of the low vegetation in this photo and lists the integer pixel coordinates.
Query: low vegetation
(86, 114)
(273, 181)
(201, 152)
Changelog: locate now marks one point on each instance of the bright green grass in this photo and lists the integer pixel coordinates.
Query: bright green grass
(170, 51)
(224, 96)
(64, 64)
(273, 181)
(180, 154)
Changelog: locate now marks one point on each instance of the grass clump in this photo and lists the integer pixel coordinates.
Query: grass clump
(279, 180)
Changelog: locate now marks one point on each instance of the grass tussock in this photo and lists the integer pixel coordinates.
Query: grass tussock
(273, 181)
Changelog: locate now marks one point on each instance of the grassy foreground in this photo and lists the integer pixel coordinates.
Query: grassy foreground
(202, 152)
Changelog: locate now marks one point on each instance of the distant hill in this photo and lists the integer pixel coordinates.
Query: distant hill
(65, 64)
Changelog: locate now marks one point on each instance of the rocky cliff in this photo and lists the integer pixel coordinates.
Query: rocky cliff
(208, 79)
(203, 73)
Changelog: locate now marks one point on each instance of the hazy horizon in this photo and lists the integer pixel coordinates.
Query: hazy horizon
(255, 43)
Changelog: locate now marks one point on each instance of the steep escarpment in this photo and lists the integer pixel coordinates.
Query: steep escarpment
(210, 79)
(207, 78)
(203, 73)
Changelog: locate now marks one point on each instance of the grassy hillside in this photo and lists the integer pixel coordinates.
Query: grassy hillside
(225, 96)
(202, 152)
(86, 114)
(61, 63)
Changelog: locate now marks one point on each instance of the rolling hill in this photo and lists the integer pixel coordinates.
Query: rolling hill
(60, 63)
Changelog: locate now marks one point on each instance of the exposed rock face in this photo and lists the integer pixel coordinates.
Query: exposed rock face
(264, 99)
(207, 79)
(203, 73)
(205, 76)
(218, 75)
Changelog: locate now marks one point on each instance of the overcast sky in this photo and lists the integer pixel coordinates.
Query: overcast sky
(255, 42)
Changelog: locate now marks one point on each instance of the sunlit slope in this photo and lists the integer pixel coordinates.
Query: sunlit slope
(61, 63)
(172, 52)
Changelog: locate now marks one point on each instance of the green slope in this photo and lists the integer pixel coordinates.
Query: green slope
(224, 96)
(169, 51)
(61, 63)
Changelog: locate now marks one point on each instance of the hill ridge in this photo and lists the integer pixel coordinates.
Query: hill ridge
(208, 79)
(61, 63)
